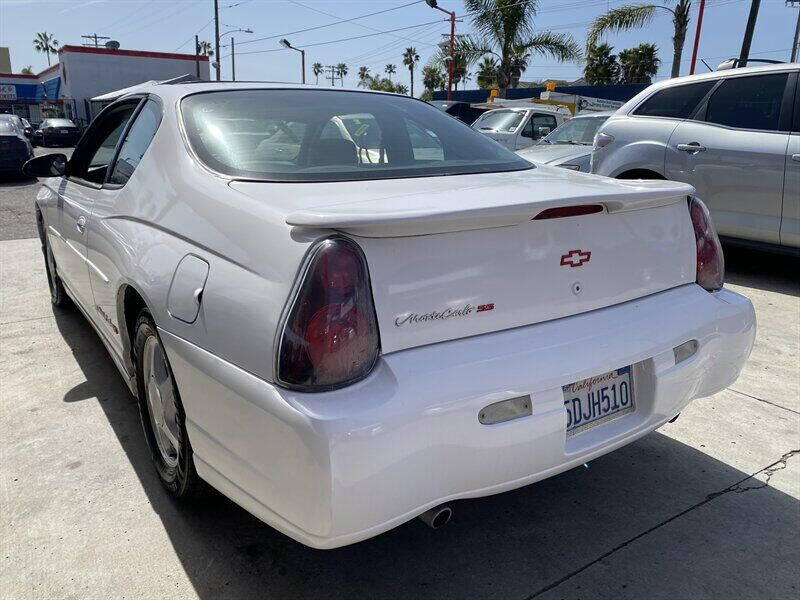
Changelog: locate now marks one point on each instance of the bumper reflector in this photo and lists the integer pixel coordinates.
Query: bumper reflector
(685, 350)
(505, 410)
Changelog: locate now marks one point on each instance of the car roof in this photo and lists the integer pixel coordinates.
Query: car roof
(711, 75)
(598, 113)
(175, 91)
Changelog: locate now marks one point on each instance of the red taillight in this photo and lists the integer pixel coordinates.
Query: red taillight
(710, 260)
(330, 335)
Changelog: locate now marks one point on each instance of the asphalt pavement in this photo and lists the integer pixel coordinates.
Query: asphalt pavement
(706, 507)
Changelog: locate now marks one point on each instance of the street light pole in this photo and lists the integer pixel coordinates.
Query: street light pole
(433, 4)
(285, 43)
(233, 60)
(216, 37)
(748, 33)
(796, 30)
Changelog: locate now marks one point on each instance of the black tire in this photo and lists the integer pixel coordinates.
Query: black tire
(58, 296)
(178, 474)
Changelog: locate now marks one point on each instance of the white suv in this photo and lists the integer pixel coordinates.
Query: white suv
(734, 135)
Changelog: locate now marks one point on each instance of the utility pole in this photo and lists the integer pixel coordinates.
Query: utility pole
(332, 70)
(95, 39)
(197, 55)
(796, 30)
(697, 35)
(216, 38)
(748, 32)
(233, 60)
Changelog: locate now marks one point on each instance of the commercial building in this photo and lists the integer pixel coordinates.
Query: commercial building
(66, 88)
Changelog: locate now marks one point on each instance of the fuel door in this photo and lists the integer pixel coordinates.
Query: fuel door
(186, 289)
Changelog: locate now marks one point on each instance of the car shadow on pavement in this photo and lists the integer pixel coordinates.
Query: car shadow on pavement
(763, 270)
(12, 181)
(706, 532)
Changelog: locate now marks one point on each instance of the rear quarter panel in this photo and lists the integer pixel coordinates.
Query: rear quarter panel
(639, 143)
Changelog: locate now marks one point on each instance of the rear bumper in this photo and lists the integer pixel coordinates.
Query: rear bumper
(335, 468)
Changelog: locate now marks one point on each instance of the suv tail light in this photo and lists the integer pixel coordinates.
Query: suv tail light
(710, 260)
(329, 336)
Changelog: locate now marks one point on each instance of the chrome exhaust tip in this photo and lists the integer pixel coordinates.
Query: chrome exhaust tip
(437, 517)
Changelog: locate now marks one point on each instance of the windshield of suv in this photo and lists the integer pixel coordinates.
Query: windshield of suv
(580, 130)
(499, 120)
(325, 135)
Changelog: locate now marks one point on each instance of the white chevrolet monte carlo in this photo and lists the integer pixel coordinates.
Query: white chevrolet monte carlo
(345, 309)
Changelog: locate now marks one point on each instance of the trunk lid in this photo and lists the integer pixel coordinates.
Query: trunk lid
(455, 257)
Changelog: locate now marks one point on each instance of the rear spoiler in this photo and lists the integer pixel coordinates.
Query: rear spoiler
(416, 214)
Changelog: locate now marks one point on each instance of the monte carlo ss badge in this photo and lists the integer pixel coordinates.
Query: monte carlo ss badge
(443, 315)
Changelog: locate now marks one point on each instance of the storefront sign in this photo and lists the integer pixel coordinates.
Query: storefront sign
(8, 92)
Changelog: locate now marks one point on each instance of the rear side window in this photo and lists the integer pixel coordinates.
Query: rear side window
(136, 142)
(676, 102)
(748, 102)
(542, 121)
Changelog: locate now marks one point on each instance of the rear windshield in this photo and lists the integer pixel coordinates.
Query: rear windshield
(325, 135)
(6, 126)
(58, 123)
(580, 130)
(499, 120)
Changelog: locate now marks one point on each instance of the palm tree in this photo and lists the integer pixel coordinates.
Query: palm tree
(638, 15)
(505, 29)
(400, 88)
(390, 70)
(27, 70)
(363, 77)
(341, 71)
(411, 58)
(317, 69)
(432, 78)
(204, 49)
(601, 66)
(47, 43)
(639, 64)
(487, 73)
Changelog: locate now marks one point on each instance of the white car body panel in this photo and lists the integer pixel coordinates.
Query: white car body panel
(335, 467)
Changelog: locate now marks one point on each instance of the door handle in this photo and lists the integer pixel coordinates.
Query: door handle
(80, 224)
(694, 147)
(796, 157)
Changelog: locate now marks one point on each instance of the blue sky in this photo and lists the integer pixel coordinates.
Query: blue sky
(170, 25)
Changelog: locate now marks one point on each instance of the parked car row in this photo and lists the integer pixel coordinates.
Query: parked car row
(344, 309)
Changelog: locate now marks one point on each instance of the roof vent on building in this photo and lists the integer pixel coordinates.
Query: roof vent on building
(112, 45)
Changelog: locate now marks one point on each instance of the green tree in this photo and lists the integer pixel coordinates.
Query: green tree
(390, 70)
(410, 59)
(317, 69)
(639, 64)
(27, 70)
(635, 16)
(204, 49)
(487, 73)
(505, 29)
(432, 78)
(341, 71)
(601, 66)
(364, 77)
(47, 43)
(400, 88)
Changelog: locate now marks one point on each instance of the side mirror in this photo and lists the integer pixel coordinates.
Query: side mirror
(49, 165)
(543, 131)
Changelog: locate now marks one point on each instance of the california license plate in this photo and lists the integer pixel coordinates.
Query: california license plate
(597, 400)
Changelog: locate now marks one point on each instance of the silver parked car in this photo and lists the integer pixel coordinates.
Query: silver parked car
(734, 135)
(569, 145)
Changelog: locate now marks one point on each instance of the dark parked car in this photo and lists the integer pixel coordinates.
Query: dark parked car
(462, 111)
(56, 132)
(15, 149)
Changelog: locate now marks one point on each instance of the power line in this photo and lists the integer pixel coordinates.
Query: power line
(280, 35)
(347, 39)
